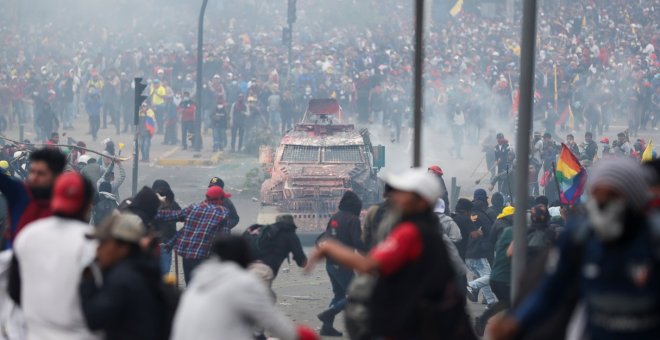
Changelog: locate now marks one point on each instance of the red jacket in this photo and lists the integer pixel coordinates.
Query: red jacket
(187, 113)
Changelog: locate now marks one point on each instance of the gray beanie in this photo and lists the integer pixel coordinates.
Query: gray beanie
(624, 176)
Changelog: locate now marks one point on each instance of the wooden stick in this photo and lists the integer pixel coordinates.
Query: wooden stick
(68, 146)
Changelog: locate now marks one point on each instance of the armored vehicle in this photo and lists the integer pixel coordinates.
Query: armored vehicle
(315, 163)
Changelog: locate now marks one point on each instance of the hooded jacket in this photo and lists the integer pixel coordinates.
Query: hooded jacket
(462, 219)
(285, 242)
(344, 225)
(480, 247)
(145, 204)
(224, 300)
(167, 229)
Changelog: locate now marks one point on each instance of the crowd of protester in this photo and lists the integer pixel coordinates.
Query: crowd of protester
(415, 258)
(594, 60)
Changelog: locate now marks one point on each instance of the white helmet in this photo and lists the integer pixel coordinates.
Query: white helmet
(83, 159)
(18, 154)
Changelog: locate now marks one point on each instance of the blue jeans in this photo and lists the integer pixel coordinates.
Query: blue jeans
(340, 279)
(481, 270)
(165, 261)
(145, 145)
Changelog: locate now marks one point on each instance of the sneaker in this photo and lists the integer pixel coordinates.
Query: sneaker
(330, 331)
(472, 294)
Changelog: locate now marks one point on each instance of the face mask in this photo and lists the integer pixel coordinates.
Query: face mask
(607, 221)
(186, 98)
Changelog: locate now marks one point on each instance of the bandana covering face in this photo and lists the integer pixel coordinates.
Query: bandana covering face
(607, 221)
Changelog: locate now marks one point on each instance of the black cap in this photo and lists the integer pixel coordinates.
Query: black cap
(217, 181)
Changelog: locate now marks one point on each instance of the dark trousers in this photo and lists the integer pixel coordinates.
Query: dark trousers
(170, 132)
(94, 125)
(186, 127)
(188, 266)
(503, 292)
(236, 131)
(340, 279)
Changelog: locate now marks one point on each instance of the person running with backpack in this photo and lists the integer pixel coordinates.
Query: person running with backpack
(271, 244)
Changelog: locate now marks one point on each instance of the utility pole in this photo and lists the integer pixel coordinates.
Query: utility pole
(197, 140)
(419, 91)
(522, 143)
(140, 87)
(287, 33)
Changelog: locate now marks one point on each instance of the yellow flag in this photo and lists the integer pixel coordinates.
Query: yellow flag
(648, 152)
(576, 79)
(458, 6)
(571, 118)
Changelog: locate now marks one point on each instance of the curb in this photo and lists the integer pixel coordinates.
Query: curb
(213, 160)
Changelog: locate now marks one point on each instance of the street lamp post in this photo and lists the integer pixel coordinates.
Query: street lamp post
(522, 143)
(419, 69)
(197, 140)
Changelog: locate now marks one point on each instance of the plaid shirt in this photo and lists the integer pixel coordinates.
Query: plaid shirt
(202, 225)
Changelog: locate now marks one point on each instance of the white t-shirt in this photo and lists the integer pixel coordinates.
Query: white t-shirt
(52, 253)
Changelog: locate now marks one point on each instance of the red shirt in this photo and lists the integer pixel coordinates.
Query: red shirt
(404, 245)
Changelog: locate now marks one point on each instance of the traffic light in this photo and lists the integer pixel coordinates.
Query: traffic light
(286, 36)
(140, 97)
(291, 11)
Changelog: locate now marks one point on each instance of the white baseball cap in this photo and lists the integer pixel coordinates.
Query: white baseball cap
(83, 159)
(416, 180)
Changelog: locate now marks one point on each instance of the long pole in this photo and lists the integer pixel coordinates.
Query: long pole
(522, 143)
(197, 142)
(136, 120)
(419, 60)
(290, 55)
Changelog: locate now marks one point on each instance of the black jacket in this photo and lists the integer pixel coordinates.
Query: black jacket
(232, 219)
(285, 242)
(167, 229)
(128, 305)
(466, 226)
(420, 300)
(344, 226)
(479, 248)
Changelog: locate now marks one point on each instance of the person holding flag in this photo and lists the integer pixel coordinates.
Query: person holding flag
(147, 126)
(571, 177)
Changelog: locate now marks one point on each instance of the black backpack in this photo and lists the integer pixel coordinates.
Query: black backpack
(103, 208)
(261, 238)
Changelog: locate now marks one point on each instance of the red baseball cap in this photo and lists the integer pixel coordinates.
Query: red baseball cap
(68, 193)
(216, 192)
(436, 170)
